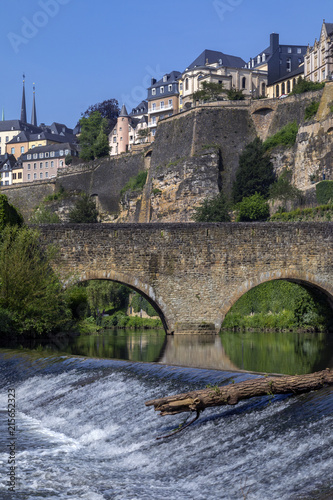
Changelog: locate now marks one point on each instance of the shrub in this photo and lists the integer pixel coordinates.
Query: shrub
(311, 110)
(306, 85)
(84, 210)
(8, 213)
(285, 137)
(283, 190)
(43, 215)
(212, 210)
(135, 183)
(253, 208)
(324, 192)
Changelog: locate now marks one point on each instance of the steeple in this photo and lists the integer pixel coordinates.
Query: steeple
(123, 111)
(23, 107)
(33, 113)
(3, 115)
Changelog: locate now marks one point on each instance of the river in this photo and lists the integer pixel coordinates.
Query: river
(83, 431)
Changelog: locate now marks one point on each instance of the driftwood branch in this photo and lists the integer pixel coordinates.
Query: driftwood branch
(233, 393)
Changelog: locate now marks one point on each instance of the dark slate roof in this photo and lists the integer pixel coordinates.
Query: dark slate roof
(213, 56)
(57, 128)
(123, 111)
(8, 159)
(171, 78)
(43, 135)
(329, 28)
(8, 125)
(296, 72)
(142, 108)
(49, 148)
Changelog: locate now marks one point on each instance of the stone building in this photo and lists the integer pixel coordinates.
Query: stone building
(318, 61)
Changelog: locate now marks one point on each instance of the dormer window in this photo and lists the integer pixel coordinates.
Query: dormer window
(35, 156)
(170, 88)
(28, 157)
(47, 155)
(41, 155)
(220, 62)
(153, 91)
(162, 90)
(165, 78)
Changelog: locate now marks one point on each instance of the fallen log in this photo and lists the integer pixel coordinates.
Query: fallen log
(233, 393)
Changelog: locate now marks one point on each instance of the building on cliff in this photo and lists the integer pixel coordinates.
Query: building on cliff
(216, 67)
(318, 61)
(286, 84)
(278, 60)
(130, 129)
(163, 99)
(7, 163)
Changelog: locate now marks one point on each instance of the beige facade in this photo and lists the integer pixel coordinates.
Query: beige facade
(318, 61)
(285, 85)
(252, 82)
(6, 136)
(160, 108)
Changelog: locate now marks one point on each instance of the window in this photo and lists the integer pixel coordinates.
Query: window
(61, 152)
(162, 104)
(46, 164)
(19, 175)
(66, 151)
(120, 129)
(264, 57)
(153, 120)
(22, 149)
(277, 91)
(115, 131)
(52, 154)
(154, 106)
(131, 138)
(7, 138)
(46, 175)
(35, 156)
(165, 78)
(153, 91)
(41, 165)
(29, 166)
(170, 102)
(41, 175)
(299, 51)
(162, 90)
(35, 176)
(61, 163)
(29, 177)
(129, 128)
(243, 82)
(115, 139)
(170, 88)
(47, 155)
(283, 90)
(41, 155)
(186, 84)
(12, 151)
(258, 59)
(288, 86)
(6, 174)
(35, 166)
(6, 183)
(161, 117)
(121, 138)
(181, 86)
(289, 50)
(153, 132)
(14, 177)
(289, 65)
(52, 164)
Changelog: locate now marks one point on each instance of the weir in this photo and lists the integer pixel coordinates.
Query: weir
(194, 273)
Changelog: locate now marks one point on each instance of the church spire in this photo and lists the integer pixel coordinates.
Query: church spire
(23, 107)
(33, 113)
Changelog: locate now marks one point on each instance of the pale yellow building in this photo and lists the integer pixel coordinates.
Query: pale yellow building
(318, 61)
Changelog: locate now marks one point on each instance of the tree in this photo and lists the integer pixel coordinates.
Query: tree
(283, 190)
(209, 91)
(93, 137)
(255, 173)
(30, 291)
(235, 95)
(8, 213)
(68, 160)
(253, 208)
(108, 109)
(212, 210)
(84, 210)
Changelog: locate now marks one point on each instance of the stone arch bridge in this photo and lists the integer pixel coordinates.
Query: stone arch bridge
(194, 273)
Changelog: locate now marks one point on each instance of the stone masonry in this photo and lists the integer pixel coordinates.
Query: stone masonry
(194, 273)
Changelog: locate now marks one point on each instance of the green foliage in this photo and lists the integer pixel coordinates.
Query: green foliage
(306, 85)
(8, 213)
(29, 290)
(320, 213)
(120, 320)
(311, 110)
(139, 303)
(68, 159)
(59, 195)
(77, 299)
(255, 172)
(135, 183)
(285, 137)
(209, 91)
(84, 210)
(106, 295)
(253, 208)
(156, 191)
(212, 210)
(235, 95)
(279, 305)
(283, 190)
(43, 215)
(93, 137)
(143, 132)
(324, 192)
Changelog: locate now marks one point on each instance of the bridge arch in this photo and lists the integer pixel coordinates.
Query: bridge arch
(306, 279)
(142, 288)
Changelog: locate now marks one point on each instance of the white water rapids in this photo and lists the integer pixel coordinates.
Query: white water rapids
(83, 432)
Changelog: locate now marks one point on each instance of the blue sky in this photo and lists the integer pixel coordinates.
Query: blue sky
(80, 52)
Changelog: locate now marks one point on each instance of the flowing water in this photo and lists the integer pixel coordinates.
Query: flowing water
(83, 432)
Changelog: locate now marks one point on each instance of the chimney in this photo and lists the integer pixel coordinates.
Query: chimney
(153, 81)
(275, 42)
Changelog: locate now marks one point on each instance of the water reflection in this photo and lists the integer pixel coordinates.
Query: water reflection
(285, 352)
(279, 352)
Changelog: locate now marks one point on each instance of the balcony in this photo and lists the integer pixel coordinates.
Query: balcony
(152, 125)
(160, 109)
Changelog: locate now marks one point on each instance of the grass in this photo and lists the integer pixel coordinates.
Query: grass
(285, 137)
